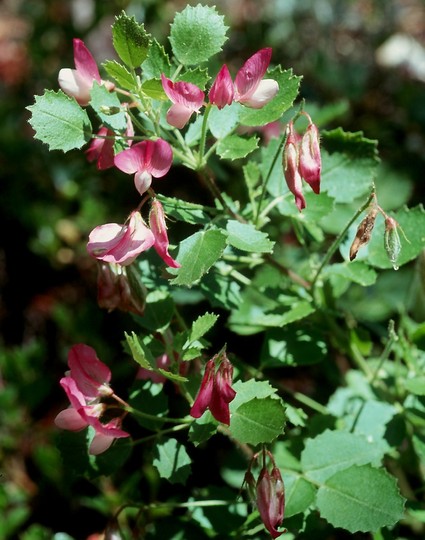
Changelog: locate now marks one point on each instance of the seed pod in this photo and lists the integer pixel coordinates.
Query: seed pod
(364, 232)
(392, 241)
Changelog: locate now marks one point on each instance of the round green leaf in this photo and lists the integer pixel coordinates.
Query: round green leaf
(361, 499)
(197, 33)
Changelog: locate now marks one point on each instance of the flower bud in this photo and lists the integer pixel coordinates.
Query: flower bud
(310, 164)
(290, 166)
(392, 241)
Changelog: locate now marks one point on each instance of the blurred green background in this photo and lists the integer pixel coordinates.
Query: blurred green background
(364, 57)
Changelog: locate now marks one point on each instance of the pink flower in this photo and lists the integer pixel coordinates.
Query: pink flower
(144, 160)
(101, 148)
(302, 160)
(78, 82)
(163, 362)
(120, 244)
(159, 230)
(83, 413)
(91, 376)
(222, 91)
(215, 392)
(290, 166)
(250, 89)
(270, 499)
(187, 98)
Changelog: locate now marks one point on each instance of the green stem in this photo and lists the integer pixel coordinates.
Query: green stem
(154, 418)
(162, 432)
(338, 240)
(266, 180)
(201, 158)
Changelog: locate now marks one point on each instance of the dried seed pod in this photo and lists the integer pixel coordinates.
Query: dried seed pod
(364, 232)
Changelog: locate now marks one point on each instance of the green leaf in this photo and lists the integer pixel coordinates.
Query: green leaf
(153, 89)
(221, 122)
(412, 237)
(202, 325)
(248, 390)
(415, 386)
(159, 310)
(299, 493)
(246, 237)
(260, 420)
(293, 346)
(202, 429)
(101, 98)
(197, 254)
(356, 271)
(138, 352)
(130, 40)
(333, 451)
(360, 498)
(349, 165)
(59, 121)
(120, 74)
(184, 211)
(198, 76)
(197, 33)
(172, 461)
(258, 311)
(288, 92)
(220, 288)
(149, 397)
(156, 63)
(235, 147)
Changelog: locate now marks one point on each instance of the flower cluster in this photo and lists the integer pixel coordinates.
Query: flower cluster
(249, 88)
(86, 384)
(302, 160)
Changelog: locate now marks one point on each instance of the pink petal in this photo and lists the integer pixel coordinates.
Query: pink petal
(204, 396)
(310, 164)
(120, 244)
(100, 444)
(222, 91)
(85, 63)
(71, 420)
(75, 396)
(142, 181)
(75, 85)
(133, 159)
(265, 92)
(251, 73)
(110, 429)
(183, 93)
(102, 150)
(89, 373)
(160, 157)
(178, 115)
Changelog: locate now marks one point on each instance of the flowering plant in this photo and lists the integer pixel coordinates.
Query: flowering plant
(267, 267)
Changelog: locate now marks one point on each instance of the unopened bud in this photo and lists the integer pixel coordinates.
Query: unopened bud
(364, 232)
(392, 241)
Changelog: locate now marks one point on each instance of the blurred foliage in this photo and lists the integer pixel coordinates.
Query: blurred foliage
(50, 201)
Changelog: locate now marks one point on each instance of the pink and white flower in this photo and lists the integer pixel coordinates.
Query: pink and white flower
(187, 98)
(78, 82)
(120, 244)
(145, 160)
(90, 374)
(249, 87)
(159, 230)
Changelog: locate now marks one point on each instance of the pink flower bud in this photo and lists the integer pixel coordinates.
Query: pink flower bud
(392, 241)
(290, 166)
(271, 499)
(222, 91)
(159, 230)
(310, 163)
